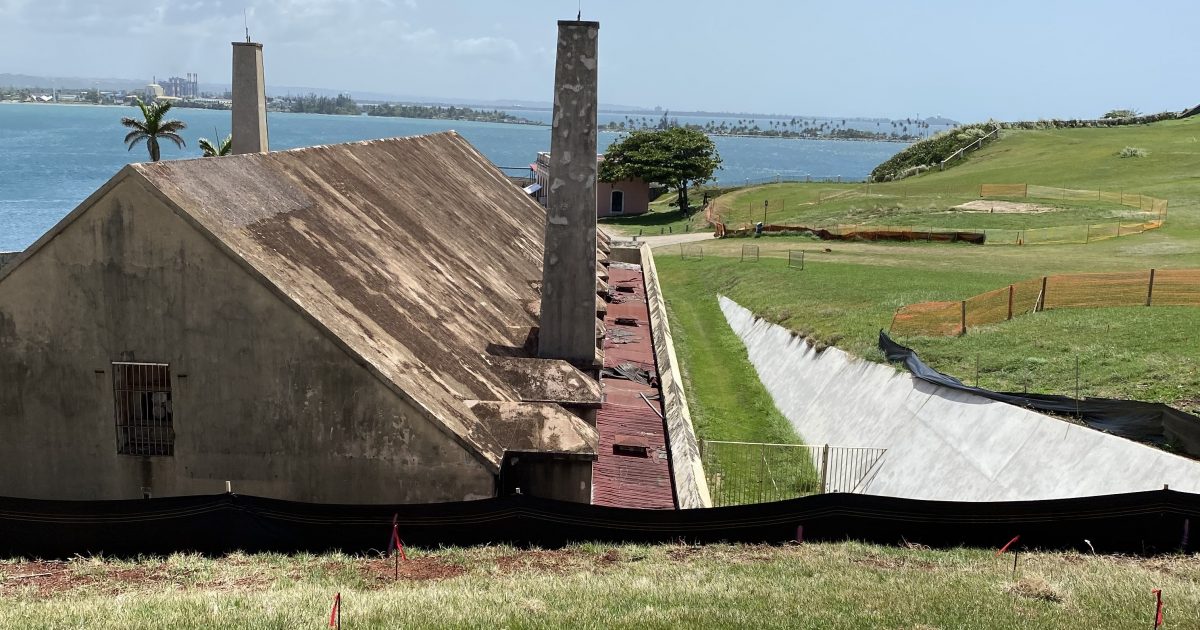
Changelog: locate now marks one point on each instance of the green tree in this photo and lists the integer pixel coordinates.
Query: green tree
(1122, 113)
(152, 126)
(222, 147)
(678, 157)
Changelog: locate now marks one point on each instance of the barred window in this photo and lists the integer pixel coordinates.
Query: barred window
(142, 392)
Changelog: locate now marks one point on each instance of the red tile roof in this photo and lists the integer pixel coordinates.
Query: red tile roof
(631, 480)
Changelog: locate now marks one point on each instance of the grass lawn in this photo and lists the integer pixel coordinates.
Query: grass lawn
(842, 585)
(889, 204)
(663, 218)
(1068, 158)
(850, 290)
(1131, 352)
(727, 401)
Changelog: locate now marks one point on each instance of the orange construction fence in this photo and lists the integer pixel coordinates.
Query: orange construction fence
(1151, 214)
(1155, 287)
(1144, 203)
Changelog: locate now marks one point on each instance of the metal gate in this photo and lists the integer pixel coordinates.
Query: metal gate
(748, 472)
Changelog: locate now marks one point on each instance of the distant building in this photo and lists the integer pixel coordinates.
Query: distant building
(182, 87)
(613, 199)
(154, 91)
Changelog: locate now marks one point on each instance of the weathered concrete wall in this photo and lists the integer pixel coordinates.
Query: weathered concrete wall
(261, 396)
(7, 256)
(687, 470)
(629, 252)
(944, 444)
(568, 315)
(249, 113)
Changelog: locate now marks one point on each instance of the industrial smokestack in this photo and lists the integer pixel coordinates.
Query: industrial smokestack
(249, 99)
(568, 316)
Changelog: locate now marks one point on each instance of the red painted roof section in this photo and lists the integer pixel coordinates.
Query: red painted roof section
(629, 480)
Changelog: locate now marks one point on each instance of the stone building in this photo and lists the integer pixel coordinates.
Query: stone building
(613, 199)
(339, 323)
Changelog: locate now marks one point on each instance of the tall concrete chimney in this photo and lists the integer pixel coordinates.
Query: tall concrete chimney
(568, 318)
(249, 99)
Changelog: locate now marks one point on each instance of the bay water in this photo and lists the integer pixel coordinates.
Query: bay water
(53, 156)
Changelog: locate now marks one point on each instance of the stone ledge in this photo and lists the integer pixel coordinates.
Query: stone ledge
(691, 487)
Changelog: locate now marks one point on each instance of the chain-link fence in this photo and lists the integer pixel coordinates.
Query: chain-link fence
(745, 472)
(691, 252)
(1154, 287)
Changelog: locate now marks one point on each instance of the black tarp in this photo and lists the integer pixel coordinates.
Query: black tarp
(1152, 423)
(1144, 522)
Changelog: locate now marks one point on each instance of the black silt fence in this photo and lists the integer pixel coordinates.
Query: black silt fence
(1142, 523)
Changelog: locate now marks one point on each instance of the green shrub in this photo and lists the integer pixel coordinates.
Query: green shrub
(1132, 152)
(1122, 113)
(923, 154)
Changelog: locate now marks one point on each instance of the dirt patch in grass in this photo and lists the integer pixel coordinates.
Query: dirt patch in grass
(50, 578)
(683, 554)
(1188, 404)
(560, 561)
(1035, 588)
(555, 562)
(45, 578)
(382, 571)
(892, 563)
(1003, 207)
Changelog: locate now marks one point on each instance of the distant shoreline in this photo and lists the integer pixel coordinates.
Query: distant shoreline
(64, 104)
(527, 124)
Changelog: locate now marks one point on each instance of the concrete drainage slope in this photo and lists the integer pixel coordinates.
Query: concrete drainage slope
(944, 444)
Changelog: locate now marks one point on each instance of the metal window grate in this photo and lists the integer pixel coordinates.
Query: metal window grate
(142, 396)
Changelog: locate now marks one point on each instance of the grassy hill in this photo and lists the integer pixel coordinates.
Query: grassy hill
(1084, 159)
(845, 295)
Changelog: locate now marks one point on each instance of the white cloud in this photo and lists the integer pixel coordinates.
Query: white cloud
(494, 49)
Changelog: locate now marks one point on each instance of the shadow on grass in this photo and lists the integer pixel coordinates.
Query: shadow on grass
(655, 222)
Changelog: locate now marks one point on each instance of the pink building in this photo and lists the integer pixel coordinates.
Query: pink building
(628, 196)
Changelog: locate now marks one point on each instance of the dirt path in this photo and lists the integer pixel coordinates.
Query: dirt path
(665, 240)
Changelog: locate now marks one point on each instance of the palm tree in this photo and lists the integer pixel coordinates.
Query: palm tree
(216, 150)
(153, 126)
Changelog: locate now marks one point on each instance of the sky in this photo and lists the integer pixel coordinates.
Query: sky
(966, 59)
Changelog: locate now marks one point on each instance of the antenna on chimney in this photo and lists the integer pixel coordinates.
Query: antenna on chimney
(579, 11)
(246, 23)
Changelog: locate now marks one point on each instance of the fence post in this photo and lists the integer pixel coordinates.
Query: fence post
(1010, 302)
(762, 473)
(1041, 301)
(1150, 289)
(825, 469)
(1087, 239)
(963, 329)
(1078, 414)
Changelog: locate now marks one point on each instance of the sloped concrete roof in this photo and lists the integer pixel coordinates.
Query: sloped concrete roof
(415, 253)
